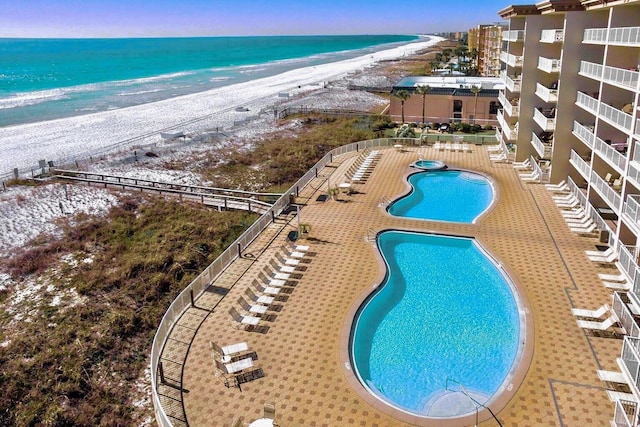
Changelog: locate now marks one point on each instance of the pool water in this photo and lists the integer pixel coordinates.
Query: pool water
(445, 195)
(430, 164)
(433, 328)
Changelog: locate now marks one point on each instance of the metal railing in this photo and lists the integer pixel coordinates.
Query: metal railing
(633, 172)
(606, 192)
(513, 35)
(509, 133)
(551, 36)
(198, 286)
(544, 175)
(549, 65)
(628, 265)
(595, 35)
(591, 69)
(580, 164)
(625, 316)
(611, 155)
(512, 83)
(512, 110)
(546, 123)
(584, 134)
(624, 412)
(616, 117)
(544, 150)
(587, 103)
(625, 36)
(510, 59)
(546, 94)
(631, 359)
(627, 79)
(631, 208)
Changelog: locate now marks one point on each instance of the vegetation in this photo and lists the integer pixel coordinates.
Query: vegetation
(402, 95)
(73, 354)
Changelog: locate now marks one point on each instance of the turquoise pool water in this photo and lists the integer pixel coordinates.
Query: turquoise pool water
(446, 195)
(430, 164)
(434, 327)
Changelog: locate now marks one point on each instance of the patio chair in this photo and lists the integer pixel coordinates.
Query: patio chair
(592, 228)
(298, 248)
(281, 268)
(243, 320)
(618, 286)
(592, 314)
(604, 253)
(270, 411)
(262, 299)
(603, 259)
(615, 396)
(522, 165)
(274, 275)
(617, 184)
(561, 186)
(286, 261)
(269, 290)
(238, 366)
(613, 277)
(251, 308)
(610, 321)
(229, 350)
(611, 376)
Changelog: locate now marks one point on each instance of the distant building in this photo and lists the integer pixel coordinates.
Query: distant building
(449, 99)
(487, 39)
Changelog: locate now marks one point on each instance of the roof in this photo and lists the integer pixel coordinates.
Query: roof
(436, 82)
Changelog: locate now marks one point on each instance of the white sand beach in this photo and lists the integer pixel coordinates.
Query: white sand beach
(66, 139)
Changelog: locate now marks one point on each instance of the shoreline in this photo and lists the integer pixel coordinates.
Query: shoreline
(57, 140)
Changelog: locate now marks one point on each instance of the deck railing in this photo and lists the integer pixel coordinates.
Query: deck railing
(616, 117)
(552, 36)
(546, 123)
(611, 155)
(588, 103)
(625, 36)
(605, 191)
(511, 83)
(624, 412)
(544, 150)
(627, 263)
(513, 35)
(580, 164)
(549, 65)
(631, 208)
(625, 316)
(584, 134)
(618, 76)
(546, 94)
(631, 359)
(510, 59)
(512, 110)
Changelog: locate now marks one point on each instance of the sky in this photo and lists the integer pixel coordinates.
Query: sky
(169, 18)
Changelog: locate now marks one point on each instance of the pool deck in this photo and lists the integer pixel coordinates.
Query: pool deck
(303, 348)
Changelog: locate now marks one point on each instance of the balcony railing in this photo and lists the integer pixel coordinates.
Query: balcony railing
(631, 209)
(621, 308)
(631, 359)
(546, 123)
(606, 192)
(544, 150)
(625, 413)
(552, 36)
(625, 36)
(591, 69)
(628, 265)
(549, 65)
(511, 60)
(633, 172)
(513, 35)
(511, 83)
(511, 110)
(611, 155)
(546, 94)
(587, 103)
(617, 76)
(580, 164)
(584, 134)
(509, 132)
(544, 174)
(595, 36)
(616, 117)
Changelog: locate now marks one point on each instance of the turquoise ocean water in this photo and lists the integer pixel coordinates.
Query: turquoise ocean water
(44, 79)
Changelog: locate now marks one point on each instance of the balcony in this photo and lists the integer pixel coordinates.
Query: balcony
(626, 79)
(511, 60)
(587, 103)
(544, 149)
(546, 94)
(615, 117)
(611, 155)
(513, 35)
(622, 308)
(510, 133)
(508, 106)
(631, 210)
(605, 191)
(595, 36)
(546, 120)
(622, 36)
(630, 361)
(624, 413)
(512, 83)
(549, 65)
(627, 263)
(552, 36)
(584, 134)
(580, 165)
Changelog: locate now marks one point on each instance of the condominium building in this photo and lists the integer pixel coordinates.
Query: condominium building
(569, 106)
(487, 40)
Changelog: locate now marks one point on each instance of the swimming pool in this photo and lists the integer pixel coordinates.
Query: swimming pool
(433, 329)
(445, 195)
(430, 164)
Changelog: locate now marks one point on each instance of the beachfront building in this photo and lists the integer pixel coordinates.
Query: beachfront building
(487, 40)
(569, 107)
(447, 100)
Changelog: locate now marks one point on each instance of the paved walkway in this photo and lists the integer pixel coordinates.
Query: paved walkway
(300, 349)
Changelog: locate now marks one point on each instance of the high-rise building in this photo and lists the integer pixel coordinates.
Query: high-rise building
(487, 40)
(569, 107)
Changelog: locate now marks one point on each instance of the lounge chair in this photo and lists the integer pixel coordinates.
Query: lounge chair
(251, 308)
(592, 314)
(299, 248)
(603, 259)
(612, 377)
(456, 146)
(229, 350)
(522, 165)
(287, 261)
(262, 299)
(568, 205)
(564, 198)
(269, 290)
(274, 275)
(613, 277)
(610, 321)
(578, 222)
(617, 184)
(604, 253)
(436, 146)
(561, 186)
(608, 178)
(268, 281)
(269, 411)
(240, 365)
(494, 148)
(243, 320)
(618, 286)
(466, 147)
(593, 228)
(281, 268)
(447, 146)
(615, 396)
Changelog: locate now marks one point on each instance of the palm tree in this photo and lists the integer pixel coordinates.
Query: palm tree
(402, 95)
(423, 90)
(475, 90)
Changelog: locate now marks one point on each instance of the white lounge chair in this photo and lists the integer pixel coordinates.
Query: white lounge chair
(299, 248)
(494, 148)
(561, 186)
(436, 145)
(244, 320)
(578, 222)
(269, 290)
(260, 299)
(564, 198)
(252, 308)
(238, 366)
(592, 314)
(604, 259)
(598, 326)
(613, 277)
(615, 396)
(585, 230)
(465, 147)
(611, 376)
(287, 261)
(569, 205)
(604, 253)
(229, 350)
(618, 286)
(269, 281)
(522, 165)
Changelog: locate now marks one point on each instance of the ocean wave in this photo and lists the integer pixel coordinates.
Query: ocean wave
(32, 98)
(219, 79)
(141, 92)
(160, 77)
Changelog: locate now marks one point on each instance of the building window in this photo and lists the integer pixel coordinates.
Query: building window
(457, 106)
(493, 108)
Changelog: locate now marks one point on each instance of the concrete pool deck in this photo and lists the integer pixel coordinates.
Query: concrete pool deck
(302, 351)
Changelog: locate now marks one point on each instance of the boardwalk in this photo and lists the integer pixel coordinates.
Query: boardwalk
(302, 351)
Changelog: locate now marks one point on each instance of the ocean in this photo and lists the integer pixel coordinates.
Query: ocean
(45, 79)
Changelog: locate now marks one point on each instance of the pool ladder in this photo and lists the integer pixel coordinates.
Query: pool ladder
(384, 201)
